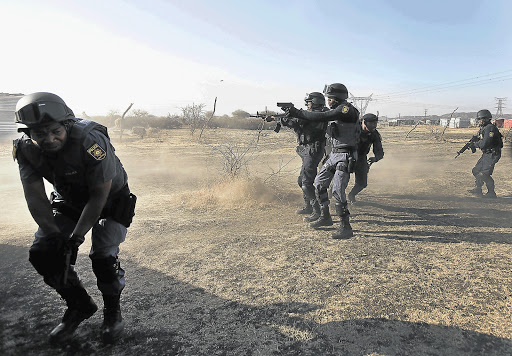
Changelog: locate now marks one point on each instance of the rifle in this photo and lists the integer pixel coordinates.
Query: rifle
(469, 144)
(275, 117)
(268, 117)
(70, 253)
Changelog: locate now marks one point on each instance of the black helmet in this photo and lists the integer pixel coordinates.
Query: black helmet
(337, 91)
(370, 117)
(483, 114)
(39, 108)
(316, 98)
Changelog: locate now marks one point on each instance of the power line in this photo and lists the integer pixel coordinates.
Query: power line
(464, 83)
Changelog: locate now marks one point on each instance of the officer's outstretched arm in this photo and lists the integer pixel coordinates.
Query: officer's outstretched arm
(97, 198)
(39, 206)
(342, 113)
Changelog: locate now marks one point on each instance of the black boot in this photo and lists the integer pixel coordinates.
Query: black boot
(80, 307)
(307, 208)
(490, 194)
(351, 197)
(324, 219)
(477, 191)
(344, 231)
(113, 324)
(315, 214)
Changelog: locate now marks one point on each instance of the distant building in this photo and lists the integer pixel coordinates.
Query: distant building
(7, 108)
(444, 122)
(432, 121)
(499, 123)
(507, 123)
(400, 122)
(459, 123)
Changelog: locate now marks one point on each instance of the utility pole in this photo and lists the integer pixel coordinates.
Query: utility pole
(499, 107)
(361, 102)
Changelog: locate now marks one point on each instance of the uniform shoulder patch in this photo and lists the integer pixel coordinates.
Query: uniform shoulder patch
(491, 134)
(97, 152)
(345, 109)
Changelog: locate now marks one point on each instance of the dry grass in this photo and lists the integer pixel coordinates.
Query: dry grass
(219, 267)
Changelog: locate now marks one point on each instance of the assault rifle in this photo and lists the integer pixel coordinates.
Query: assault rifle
(469, 144)
(268, 117)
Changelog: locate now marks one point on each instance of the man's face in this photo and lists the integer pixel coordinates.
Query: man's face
(370, 125)
(331, 102)
(309, 104)
(51, 137)
(483, 122)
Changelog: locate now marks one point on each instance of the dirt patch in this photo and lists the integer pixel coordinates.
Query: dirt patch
(226, 268)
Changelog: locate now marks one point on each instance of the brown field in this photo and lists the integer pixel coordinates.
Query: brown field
(220, 267)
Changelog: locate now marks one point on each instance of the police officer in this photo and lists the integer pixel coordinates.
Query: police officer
(90, 191)
(489, 140)
(343, 131)
(311, 149)
(369, 137)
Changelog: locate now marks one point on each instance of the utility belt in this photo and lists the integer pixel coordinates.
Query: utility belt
(492, 150)
(341, 150)
(120, 207)
(351, 161)
(312, 142)
(305, 140)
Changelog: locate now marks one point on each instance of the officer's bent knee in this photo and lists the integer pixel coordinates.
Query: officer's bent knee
(46, 262)
(106, 269)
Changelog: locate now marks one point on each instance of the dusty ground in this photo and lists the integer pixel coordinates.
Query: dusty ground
(220, 268)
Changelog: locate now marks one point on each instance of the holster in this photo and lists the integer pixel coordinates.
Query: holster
(60, 206)
(121, 207)
(351, 166)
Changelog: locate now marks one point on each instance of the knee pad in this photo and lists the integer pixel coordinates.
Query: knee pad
(106, 269)
(321, 194)
(309, 191)
(46, 262)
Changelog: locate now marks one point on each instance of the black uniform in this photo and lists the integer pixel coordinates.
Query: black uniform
(311, 149)
(490, 142)
(367, 139)
(343, 132)
(87, 159)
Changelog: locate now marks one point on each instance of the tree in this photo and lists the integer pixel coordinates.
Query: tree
(194, 116)
(240, 114)
(140, 113)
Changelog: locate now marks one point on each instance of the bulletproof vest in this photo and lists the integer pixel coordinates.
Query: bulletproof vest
(65, 169)
(311, 131)
(344, 134)
(365, 141)
(497, 138)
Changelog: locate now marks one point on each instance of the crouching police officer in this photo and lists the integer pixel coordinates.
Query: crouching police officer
(489, 140)
(343, 132)
(369, 137)
(90, 191)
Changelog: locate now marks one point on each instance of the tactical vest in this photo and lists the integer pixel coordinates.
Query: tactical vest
(344, 134)
(497, 139)
(311, 132)
(64, 169)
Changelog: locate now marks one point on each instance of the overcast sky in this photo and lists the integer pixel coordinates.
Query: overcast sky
(162, 55)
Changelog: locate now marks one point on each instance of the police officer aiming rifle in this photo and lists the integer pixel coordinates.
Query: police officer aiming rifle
(343, 132)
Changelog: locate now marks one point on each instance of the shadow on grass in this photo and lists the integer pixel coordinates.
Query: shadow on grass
(166, 316)
(399, 220)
